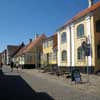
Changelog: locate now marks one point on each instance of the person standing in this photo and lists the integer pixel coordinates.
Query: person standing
(1, 65)
(12, 65)
(17, 65)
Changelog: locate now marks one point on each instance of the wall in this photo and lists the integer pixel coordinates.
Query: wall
(61, 48)
(76, 42)
(49, 50)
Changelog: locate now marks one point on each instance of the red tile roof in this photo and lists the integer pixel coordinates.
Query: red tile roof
(20, 52)
(28, 47)
(34, 43)
(82, 13)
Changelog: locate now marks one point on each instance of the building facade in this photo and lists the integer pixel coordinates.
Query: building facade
(84, 27)
(49, 52)
(11, 49)
(4, 57)
(30, 55)
(0, 58)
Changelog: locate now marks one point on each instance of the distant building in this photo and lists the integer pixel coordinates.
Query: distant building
(11, 49)
(4, 57)
(0, 58)
(17, 50)
(29, 56)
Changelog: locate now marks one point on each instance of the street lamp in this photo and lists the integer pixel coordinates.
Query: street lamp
(87, 49)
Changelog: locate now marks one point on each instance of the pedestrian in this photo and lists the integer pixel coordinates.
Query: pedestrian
(1, 65)
(17, 65)
(12, 65)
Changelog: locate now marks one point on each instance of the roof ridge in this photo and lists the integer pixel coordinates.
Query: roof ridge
(34, 42)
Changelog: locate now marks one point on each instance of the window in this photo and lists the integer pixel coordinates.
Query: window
(98, 26)
(80, 53)
(64, 55)
(98, 51)
(63, 37)
(80, 30)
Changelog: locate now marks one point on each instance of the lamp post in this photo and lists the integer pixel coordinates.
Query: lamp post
(87, 49)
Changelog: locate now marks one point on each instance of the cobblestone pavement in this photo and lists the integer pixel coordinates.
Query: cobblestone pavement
(56, 88)
(53, 88)
(92, 87)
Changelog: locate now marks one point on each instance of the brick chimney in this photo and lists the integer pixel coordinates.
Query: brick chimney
(90, 3)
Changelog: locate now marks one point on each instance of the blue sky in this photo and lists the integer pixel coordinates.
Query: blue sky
(20, 19)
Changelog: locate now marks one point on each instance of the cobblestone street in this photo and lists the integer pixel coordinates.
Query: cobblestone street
(22, 85)
(91, 87)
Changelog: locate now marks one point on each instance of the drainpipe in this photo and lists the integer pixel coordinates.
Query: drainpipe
(70, 50)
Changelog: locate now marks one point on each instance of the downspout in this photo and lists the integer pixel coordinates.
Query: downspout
(70, 50)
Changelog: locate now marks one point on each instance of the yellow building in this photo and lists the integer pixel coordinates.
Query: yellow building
(84, 27)
(49, 53)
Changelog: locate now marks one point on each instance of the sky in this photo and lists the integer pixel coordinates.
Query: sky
(20, 19)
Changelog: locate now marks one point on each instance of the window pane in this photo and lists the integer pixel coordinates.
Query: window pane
(63, 37)
(80, 30)
(80, 53)
(64, 56)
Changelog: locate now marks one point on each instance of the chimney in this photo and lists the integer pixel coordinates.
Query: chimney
(90, 3)
(22, 44)
(36, 35)
(30, 40)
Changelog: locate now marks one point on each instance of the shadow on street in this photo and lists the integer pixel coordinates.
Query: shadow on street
(15, 88)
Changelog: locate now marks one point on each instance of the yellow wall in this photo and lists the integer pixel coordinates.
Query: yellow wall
(52, 62)
(48, 50)
(63, 47)
(78, 42)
